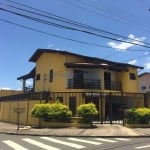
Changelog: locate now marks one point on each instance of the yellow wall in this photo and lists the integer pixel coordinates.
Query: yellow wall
(129, 85)
(7, 113)
(56, 62)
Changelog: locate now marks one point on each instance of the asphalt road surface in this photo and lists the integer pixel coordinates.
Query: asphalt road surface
(23, 142)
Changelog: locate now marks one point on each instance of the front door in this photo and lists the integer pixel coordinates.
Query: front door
(107, 80)
(72, 105)
(78, 79)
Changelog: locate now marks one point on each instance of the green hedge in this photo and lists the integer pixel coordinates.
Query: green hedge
(138, 115)
(52, 112)
(88, 112)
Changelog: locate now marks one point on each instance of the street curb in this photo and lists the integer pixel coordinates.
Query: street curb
(85, 136)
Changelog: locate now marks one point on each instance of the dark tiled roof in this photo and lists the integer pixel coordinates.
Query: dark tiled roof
(93, 60)
(38, 52)
(88, 62)
(145, 73)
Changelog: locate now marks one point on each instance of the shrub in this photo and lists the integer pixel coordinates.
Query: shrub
(138, 115)
(40, 110)
(52, 112)
(88, 112)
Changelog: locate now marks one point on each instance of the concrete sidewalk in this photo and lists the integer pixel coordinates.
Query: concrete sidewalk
(105, 130)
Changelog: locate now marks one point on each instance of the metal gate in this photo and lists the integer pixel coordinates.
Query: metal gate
(112, 109)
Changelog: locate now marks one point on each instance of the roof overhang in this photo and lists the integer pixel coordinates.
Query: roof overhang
(88, 61)
(31, 74)
(39, 52)
(97, 66)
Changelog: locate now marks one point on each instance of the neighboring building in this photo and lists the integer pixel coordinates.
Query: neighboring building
(75, 79)
(144, 82)
(5, 92)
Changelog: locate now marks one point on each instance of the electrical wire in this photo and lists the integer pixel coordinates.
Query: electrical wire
(74, 23)
(61, 36)
(71, 28)
(65, 38)
(113, 13)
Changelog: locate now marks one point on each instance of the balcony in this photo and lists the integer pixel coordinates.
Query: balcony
(84, 84)
(112, 85)
(28, 89)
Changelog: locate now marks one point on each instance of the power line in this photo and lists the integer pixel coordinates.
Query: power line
(138, 57)
(64, 20)
(72, 28)
(78, 24)
(62, 37)
(123, 17)
(29, 28)
(68, 38)
(115, 12)
(65, 38)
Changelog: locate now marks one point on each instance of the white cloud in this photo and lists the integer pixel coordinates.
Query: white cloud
(122, 46)
(132, 62)
(147, 66)
(5, 88)
(50, 45)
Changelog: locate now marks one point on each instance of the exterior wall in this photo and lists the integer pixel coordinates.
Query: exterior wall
(144, 83)
(129, 85)
(55, 62)
(127, 100)
(7, 113)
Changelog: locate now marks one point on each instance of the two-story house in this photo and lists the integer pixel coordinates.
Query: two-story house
(75, 79)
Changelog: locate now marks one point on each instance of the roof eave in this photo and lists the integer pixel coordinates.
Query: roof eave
(31, 74)
(38, 52)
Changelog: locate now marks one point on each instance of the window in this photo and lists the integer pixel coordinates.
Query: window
(38, 77)
(132, 76)
(51, 75)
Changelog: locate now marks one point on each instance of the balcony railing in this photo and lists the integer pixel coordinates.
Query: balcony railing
(28, 89)
(112, 85)
(84, 84)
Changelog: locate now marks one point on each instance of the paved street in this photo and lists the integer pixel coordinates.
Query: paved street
(24, 142)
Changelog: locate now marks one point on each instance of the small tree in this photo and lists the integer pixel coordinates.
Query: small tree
(88, 112)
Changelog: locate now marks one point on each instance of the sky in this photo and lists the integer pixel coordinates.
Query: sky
(115, 30)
